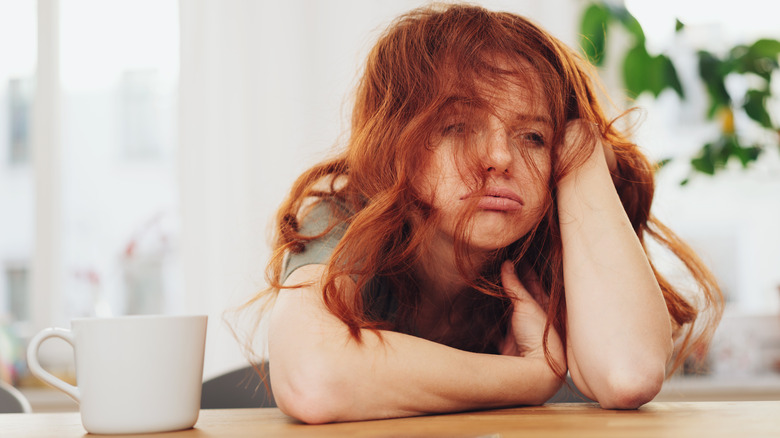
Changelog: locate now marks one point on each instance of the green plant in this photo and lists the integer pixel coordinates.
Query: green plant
(643, 72)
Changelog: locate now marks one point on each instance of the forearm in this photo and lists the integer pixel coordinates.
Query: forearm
(618, 327)
(321, 374)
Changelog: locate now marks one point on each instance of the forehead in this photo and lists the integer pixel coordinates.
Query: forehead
(515, 88)
(507, 89)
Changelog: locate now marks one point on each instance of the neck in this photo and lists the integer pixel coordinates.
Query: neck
(440, 280)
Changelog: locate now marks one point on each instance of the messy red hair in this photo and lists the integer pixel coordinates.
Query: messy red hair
(409, 76)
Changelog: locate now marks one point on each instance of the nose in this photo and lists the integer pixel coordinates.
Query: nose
(498, 153)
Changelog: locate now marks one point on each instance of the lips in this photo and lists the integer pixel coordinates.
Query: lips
(497, 199)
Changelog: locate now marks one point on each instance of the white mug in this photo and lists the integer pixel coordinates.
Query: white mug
(134, 374)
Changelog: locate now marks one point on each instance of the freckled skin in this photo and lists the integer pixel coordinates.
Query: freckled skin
(512, 143)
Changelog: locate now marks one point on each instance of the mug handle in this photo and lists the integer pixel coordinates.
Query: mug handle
(37, 369)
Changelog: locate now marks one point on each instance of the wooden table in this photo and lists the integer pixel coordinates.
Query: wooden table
(660, 419)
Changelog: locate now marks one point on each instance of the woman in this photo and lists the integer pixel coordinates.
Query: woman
(481, 235)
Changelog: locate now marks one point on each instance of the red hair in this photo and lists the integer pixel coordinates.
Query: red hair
(409, 78)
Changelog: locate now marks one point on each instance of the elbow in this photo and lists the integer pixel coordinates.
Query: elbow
(306, 406)
(630, 383)
(631, 390)
(307, 396)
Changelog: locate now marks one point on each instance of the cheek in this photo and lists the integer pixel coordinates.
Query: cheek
(436, 178)
(542, 162)
(535, 181)
(535, 169)
(426, 181)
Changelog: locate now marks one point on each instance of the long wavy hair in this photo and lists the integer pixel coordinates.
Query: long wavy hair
(422, 60)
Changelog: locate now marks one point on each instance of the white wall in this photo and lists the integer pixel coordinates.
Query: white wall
(264, 88)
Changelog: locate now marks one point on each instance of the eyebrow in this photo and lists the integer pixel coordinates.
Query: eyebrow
(539, 118)
(456, 103)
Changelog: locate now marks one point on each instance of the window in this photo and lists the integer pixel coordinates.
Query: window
(18, 45)
(19, 106)
(17, 291)
(140, 114)
(118, 156)
(109, 72)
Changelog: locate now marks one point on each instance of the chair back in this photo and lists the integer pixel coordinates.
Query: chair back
(241, 388)
(569, 394)
(12, 401)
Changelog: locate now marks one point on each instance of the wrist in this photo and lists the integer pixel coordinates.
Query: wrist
(593, 169)
(548, 380)
(585, 151)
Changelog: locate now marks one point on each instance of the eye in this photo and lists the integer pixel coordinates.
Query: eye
(532, 138)
(455, 128)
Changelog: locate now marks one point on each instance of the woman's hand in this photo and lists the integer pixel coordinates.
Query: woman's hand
(584, 134)
(526, 328)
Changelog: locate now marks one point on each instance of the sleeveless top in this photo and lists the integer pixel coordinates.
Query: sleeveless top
(379, 301)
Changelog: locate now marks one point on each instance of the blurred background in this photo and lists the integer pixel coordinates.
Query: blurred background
(145, 145)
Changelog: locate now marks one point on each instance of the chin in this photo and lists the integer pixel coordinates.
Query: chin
(484, 245)
(492, 241)
(491, 233)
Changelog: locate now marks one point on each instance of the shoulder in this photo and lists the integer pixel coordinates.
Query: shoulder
(322, 224)
(321, 214)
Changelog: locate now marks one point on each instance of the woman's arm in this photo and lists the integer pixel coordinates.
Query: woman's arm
(320, 374)
(619, 332)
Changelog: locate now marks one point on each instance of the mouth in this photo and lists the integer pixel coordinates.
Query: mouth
(497, 199)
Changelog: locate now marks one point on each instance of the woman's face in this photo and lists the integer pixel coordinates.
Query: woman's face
(512, 144)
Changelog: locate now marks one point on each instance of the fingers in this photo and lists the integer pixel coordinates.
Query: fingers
(512, 284)
(529, 288)
(534, 287)
(525, 336)
(579, 132)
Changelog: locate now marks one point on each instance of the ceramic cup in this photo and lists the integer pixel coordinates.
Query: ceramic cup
(134, 374)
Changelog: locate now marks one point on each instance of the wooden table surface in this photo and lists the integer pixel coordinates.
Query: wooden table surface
(659, 419)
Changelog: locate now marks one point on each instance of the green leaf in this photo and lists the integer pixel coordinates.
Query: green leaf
(745, 155)
(593, 32)
(755, 107)
(737, 53)
(642, 72)
(629, 22)
(748, 155)
(705, 162)
(669, 76)
(703, 165)
(713, 73)
(766, 48)
(760, 58)
(678, 25)
(724, 148)
(636, 66)
(714, 156)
